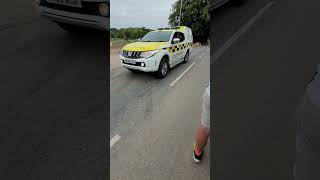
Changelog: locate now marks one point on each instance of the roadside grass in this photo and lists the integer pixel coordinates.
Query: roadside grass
(119, 43)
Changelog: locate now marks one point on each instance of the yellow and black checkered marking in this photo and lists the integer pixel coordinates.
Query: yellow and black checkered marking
(179, 47)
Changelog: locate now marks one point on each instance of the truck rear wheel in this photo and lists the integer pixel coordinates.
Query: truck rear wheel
(186, 57)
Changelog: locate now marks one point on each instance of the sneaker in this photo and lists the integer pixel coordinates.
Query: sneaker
(197, 158)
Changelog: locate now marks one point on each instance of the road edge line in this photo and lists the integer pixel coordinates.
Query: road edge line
(114, 140)
(202, 55)
(217, 54)
(184, 72)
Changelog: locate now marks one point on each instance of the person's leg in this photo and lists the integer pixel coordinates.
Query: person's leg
(203, 131)
(202, 136)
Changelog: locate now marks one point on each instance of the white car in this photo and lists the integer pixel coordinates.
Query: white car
(158, 51)
(68, 14)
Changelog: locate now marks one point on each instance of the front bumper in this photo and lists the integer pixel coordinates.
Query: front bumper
(151, 64)
(89, 21)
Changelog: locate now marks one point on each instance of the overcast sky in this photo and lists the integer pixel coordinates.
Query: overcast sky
(140, 13)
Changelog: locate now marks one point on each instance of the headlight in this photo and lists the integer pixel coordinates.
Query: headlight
(124, 53)
(148, 54)
(104, 9)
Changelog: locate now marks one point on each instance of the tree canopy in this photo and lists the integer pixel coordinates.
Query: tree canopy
(195, 15)
(128, 33)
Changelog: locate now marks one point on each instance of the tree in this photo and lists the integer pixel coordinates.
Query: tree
(195, 14)
(128, 33)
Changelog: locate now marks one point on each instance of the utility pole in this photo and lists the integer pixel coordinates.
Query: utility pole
(180, 12)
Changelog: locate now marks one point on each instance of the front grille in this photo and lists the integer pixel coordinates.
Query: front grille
(88, 8)
(132, 54)
(137, 64)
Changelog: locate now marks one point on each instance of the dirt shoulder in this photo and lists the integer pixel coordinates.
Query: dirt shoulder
(114, 58)
(115, 48)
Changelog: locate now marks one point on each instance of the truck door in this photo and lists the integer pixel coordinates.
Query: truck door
(177, 49)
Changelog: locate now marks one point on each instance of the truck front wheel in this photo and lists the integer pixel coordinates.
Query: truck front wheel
(163, 68)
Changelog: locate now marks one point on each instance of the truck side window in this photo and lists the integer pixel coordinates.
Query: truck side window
(181, 37)
(175, 35)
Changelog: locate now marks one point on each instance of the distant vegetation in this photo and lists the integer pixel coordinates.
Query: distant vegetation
(195, 14)
(128, 33)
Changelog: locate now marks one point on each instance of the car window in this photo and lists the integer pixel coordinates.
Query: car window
(178, 35)
(157, 36)
(181, 37)
(175, 35)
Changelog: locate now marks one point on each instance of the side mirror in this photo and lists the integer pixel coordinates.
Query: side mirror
(176, 40)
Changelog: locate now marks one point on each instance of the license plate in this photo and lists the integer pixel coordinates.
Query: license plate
(129, 61)
(72, 3)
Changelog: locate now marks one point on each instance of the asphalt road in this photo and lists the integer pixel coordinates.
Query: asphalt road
(258, 82)
(156, 122)
(52, 109)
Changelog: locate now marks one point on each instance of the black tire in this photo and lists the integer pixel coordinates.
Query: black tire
(133, 70)
(237, 2)
(186, 57)
(163, 68)
(72, 28)
(79, 31)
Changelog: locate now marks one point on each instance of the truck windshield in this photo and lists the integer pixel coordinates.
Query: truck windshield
(157, 36)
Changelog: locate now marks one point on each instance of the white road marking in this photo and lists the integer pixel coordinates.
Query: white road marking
(115, 139)
(240, 32)
(184, 72)
(202, 55)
